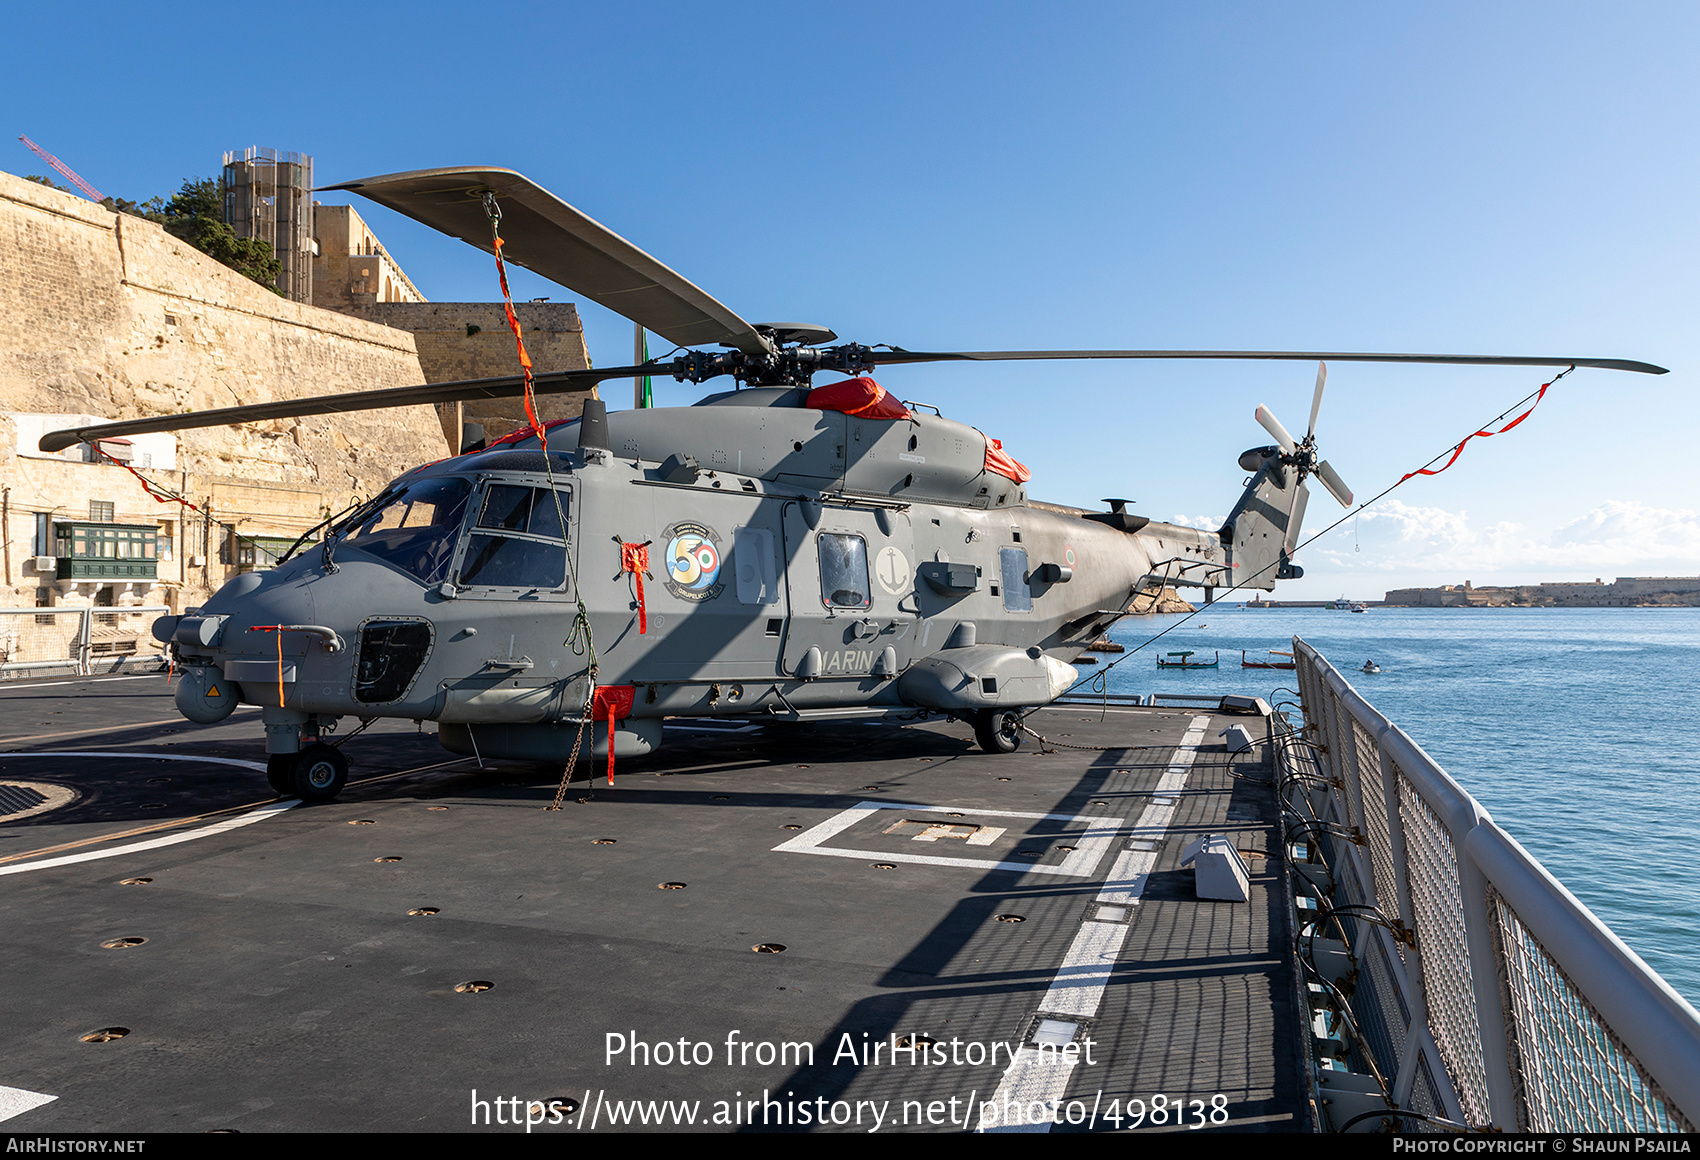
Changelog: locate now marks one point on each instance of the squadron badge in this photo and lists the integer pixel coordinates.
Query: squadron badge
(693, 561)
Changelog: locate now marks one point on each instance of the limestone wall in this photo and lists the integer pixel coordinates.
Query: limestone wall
(109, 315)
(471, 340)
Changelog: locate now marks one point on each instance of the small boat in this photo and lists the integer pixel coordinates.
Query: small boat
(1344, 605)
(1370, 667)
(1184, 661)
(1289, 663)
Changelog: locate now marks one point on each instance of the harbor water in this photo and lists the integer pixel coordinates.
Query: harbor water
(1577, 729)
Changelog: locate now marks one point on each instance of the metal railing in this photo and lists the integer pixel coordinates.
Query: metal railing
(1481, 992)
(77, 640)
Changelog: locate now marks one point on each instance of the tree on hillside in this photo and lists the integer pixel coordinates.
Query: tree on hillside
(49, 182)
(195, 214)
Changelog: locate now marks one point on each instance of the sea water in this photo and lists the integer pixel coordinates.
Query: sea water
(1577, 729)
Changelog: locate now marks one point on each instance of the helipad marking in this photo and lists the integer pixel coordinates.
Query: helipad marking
(17, 1101)
(1089, 846)
(257, 815)
(1078, 986)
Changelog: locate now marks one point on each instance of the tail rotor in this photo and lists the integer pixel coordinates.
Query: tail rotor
(1302, 455)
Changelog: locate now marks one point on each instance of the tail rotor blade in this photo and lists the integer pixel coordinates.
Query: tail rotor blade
(1336, 486)
(1316, 399)
(1273, 425)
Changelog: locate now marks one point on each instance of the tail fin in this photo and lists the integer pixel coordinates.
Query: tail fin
(1262, 531)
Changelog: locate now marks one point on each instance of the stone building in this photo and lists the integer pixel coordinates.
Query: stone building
(351, 268)
(105, 316)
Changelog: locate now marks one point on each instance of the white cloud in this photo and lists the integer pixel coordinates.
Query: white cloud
(1616, 538)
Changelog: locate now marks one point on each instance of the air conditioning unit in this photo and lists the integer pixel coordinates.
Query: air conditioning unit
(47, 563)
(197, 561)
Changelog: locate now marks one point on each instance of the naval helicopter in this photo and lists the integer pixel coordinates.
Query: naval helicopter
(778, 551)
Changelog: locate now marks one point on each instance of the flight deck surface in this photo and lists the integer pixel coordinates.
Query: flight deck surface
(959, 907)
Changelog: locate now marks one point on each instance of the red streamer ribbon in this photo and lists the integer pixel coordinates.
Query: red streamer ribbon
(634, 558)
(513, 325)
(277, 628)
(1485, 434)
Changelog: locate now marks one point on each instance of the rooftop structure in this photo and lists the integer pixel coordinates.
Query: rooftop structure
(269, 195)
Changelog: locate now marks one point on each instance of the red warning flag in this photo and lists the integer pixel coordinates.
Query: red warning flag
(615, 703)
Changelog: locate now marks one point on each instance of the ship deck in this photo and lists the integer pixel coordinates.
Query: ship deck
(921, 890)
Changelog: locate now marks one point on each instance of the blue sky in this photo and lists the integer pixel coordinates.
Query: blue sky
(1481, 178)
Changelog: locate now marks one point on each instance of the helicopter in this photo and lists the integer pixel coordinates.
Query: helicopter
(779, 551)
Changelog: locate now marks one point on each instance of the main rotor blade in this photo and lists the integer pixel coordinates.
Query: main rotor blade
(505, 387)
(898, 355)
(543, 233)
(1316, 399)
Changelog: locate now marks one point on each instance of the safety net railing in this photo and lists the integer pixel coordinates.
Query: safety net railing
(77, 640)
(1475, 991)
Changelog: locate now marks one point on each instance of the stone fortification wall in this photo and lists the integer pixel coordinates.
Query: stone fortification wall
(1627, 591)
(108, 315)
(471, 340)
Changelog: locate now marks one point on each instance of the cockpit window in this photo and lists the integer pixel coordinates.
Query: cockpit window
(517, 542)
(416, 530)
(521, 509)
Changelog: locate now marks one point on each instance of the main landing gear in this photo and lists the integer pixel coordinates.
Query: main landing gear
(997, 730)
(316, 774)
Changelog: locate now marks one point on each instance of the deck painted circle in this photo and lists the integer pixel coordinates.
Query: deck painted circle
(258, 814)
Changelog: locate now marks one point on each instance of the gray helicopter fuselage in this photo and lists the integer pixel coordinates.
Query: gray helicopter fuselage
(798, 560)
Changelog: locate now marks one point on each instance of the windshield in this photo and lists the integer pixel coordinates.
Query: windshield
(416, 530)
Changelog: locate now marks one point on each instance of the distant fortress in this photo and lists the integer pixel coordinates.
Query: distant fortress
(1624, 592)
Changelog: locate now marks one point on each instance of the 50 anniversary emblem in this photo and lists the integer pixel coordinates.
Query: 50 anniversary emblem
(693, 561)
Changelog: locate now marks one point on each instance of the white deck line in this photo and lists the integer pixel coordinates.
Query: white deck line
(256, 815)
(1078, 986)
(17, 1101)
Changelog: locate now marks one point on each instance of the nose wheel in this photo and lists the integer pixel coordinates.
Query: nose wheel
(998, 730)
(316, 774)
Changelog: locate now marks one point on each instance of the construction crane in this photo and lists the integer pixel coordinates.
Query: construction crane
(90, 191)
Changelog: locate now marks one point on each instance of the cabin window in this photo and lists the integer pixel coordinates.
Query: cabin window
(1017, 596)
(844, 571)
(517, 542)
(416, 530)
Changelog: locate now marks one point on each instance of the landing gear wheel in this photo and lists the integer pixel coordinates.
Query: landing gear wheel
(998, 730)
(280, 773)
(319, 773)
